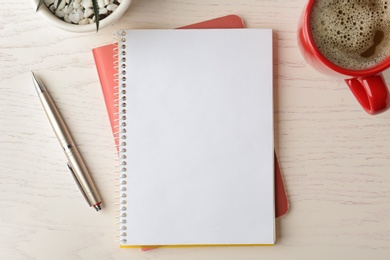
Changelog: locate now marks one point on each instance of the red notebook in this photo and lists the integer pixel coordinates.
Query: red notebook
(104, 60)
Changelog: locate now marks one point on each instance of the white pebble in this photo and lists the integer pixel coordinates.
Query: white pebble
(81, 14)
(86, 3)
(83, 21)
(88, 12)
(60, 13)
(111, 7)
(76, 5)
(49, 2)
(91, 21)
(74, 16)
(107, 2)
(66, 18)
(103, 11)
(101, 4)
(68, 9)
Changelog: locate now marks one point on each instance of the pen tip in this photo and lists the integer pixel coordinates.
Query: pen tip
(34, 77)
(37, 83)
(98, 207)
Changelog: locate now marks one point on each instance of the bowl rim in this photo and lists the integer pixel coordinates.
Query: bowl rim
(57, 22)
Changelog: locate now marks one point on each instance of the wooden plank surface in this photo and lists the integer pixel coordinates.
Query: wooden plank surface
(335, 158)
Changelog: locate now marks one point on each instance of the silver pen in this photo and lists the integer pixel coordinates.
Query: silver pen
(75, 162)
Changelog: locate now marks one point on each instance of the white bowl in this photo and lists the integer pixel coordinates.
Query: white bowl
(54, 20)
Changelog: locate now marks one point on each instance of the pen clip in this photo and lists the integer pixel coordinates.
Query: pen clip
(78, 184)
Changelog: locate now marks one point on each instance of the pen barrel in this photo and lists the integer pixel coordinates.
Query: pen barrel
(83, 177)
(55, 119)
(78, 168)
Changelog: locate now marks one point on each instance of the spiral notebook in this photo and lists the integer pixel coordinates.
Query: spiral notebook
(104, 60)
(196, 137)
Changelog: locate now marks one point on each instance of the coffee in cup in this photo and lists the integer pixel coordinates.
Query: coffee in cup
(350, 39)
(352, 34)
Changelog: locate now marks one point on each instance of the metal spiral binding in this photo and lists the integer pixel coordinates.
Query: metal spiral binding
(116, 37)
(120, 133)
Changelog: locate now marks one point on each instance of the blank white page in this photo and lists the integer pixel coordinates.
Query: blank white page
(196, 137)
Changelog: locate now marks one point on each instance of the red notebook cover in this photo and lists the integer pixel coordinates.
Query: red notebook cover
(104, 60)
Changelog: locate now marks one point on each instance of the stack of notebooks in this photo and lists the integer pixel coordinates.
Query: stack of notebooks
(192, 113)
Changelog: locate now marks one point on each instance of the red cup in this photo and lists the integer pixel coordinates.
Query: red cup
(367, 85)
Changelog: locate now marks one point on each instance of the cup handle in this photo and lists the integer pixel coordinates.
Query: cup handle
(371, 92)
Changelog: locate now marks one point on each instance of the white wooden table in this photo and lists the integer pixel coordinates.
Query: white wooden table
(335, 158)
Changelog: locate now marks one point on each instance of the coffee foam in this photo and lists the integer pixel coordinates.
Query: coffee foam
(344, 30)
